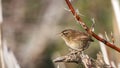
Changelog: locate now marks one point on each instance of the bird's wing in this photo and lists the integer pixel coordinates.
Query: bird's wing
(82, 36)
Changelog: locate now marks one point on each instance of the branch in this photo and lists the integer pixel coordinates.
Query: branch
(77, 58)
(77, 17)
(87, 61)
(70, 58)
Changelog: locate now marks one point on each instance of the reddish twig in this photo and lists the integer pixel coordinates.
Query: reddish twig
(77, 17)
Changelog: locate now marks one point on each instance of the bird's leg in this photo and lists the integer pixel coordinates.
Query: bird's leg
(72, 51)
(76, 51)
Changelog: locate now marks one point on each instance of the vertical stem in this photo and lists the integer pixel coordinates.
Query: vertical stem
(104, 52)
(116, 8)
(116, 23)
(1, 48)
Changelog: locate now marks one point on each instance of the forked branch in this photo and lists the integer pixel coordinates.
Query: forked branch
(78, 18)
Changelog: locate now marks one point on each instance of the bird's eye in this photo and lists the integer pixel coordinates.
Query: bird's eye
(65, 33)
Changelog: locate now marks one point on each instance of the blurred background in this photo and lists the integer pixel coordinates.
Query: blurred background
(30, 28)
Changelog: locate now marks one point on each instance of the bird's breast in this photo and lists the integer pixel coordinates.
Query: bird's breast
(73, 45)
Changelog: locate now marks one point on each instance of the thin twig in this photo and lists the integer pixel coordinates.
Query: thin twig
(77, 17)
(112, 37)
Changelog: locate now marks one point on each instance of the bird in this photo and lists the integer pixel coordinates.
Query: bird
(76, 40)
